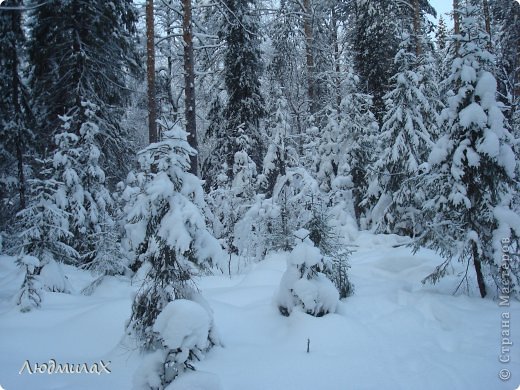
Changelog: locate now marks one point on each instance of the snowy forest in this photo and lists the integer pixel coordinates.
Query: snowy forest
(259, 194)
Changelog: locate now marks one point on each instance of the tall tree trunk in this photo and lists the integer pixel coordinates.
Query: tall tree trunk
(478, 269)
(456, 22)
(170, 60)
(309, 44)
(16, 26)
(189, 83)
(334, 23)
(487, 18)
(417, 27)
(150, 73)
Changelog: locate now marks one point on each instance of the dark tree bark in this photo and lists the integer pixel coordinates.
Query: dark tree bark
(189, 83)
(150, 73)
(488, 22)
(334, 23)
(478, 270)
(16, 26)
(417, 26)
(456, 22)
(309, 44)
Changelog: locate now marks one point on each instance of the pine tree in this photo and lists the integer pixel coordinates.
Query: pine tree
(469, 186)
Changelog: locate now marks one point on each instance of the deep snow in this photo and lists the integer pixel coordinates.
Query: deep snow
(394, 333)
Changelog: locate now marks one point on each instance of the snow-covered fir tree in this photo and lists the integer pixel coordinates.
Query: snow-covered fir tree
(406, 140)
(226, 211)
(231, 199)
(375, 44)
(243, 67)
(88, 201)
(331, 142)
(281, 150)
(287, 67)
(441, 34)
(214, 165)
(304, 286)
(167, 235)
(15, 133)
(73, 60)
(324, 236)
(506, 20)
(361, 130)
(45, 233)
(469, 186)
(244, 176)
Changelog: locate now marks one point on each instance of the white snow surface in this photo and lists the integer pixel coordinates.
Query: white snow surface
(183, 324)
(394, 333)
(196, 380)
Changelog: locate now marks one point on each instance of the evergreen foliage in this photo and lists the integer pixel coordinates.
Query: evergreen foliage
(16, 133)
(166, 232)
(44, 235)
(406, 137)
(242, 70)
(470, 183)
(73, 60)
(304, 286)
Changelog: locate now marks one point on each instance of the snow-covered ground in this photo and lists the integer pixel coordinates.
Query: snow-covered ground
(394, 333)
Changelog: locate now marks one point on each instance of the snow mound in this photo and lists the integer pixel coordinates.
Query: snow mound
(53, 278)
(318, 295)
(147, 375)
(305, 254)
(303, 286)
(183, 325)
(30, 262)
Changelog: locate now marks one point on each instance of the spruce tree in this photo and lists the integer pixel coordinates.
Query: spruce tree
(304, 285)
(375, 45)
(86, 56)
(281, 150)
(506, 21)
(15, 128)
(166, 232)
(406, 139)
(470, 184)
(44, 227)
(242, 70)
(89, 203)
(376, 42)
(441, 35)
(361, 129)
(287, 67)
